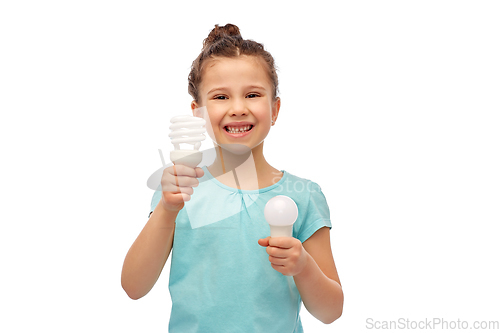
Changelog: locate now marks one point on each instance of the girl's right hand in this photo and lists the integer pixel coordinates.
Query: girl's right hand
(177, 184)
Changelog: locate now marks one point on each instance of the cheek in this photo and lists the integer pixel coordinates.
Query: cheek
(212, 122)
(209, 127)
(265, 115)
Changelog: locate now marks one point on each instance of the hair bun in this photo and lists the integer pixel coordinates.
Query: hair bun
(221, 32)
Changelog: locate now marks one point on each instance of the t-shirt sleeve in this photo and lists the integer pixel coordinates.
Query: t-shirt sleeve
(154, 201)
(317, 213)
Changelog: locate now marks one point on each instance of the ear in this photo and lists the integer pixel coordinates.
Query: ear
(197, 112)
(194, 106)
(276, 109)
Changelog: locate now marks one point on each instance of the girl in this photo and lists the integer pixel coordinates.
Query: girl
(226, 274)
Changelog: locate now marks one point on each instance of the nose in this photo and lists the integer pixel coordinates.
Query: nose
(238, 108)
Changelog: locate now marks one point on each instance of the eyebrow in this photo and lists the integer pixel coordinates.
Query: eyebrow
(212, 90)
(248, 87)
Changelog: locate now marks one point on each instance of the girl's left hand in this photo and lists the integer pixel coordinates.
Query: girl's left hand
(286, 254)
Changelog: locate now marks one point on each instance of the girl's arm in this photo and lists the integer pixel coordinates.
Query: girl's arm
(318, 283)
(147, 256)
(313, 269)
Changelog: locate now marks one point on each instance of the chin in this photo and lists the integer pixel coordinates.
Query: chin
(236, 148)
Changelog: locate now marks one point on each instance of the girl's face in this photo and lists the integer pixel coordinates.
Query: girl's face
(238, 97)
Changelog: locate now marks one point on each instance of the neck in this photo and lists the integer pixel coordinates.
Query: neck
(248, 170)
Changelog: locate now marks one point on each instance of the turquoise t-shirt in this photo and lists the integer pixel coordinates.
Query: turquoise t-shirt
(221, 279)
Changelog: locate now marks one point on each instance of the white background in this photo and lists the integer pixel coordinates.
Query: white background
(391, 106)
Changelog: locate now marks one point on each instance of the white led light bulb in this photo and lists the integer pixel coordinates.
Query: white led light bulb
(281, 212)
(187, 129)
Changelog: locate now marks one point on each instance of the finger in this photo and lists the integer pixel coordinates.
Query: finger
(176, 198)
(185, 197)
(169, 187)
(176, 178)
(181, 181)
(282, 242)
(277, 261)
(181, 170)
(186, 181)
(276, 252)
(279, 268)
(186, 190)
(264, 241)
(282, 269)
(199, 172)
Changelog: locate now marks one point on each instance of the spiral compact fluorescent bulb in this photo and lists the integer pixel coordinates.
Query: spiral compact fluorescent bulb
(187, 129)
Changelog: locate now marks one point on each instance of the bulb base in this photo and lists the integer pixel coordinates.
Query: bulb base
(281, 230)
(190, 158)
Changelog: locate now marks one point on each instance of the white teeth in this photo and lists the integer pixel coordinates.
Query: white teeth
(235, 130)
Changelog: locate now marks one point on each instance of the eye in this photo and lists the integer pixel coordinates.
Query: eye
(252, 95)
(220, 97)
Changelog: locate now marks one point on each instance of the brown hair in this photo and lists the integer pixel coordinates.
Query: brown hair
(227, 42)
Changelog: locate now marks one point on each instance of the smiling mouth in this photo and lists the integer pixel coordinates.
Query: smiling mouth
(238, 129)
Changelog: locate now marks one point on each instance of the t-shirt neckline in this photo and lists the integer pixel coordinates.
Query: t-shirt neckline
(235, 190)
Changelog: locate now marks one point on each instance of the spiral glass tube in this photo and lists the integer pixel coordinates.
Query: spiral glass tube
(186, 130)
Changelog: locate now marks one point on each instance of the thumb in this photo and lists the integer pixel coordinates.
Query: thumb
(264, 241)
(199, 172)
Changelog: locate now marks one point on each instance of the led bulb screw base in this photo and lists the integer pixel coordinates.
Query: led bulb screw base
(281, 231)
